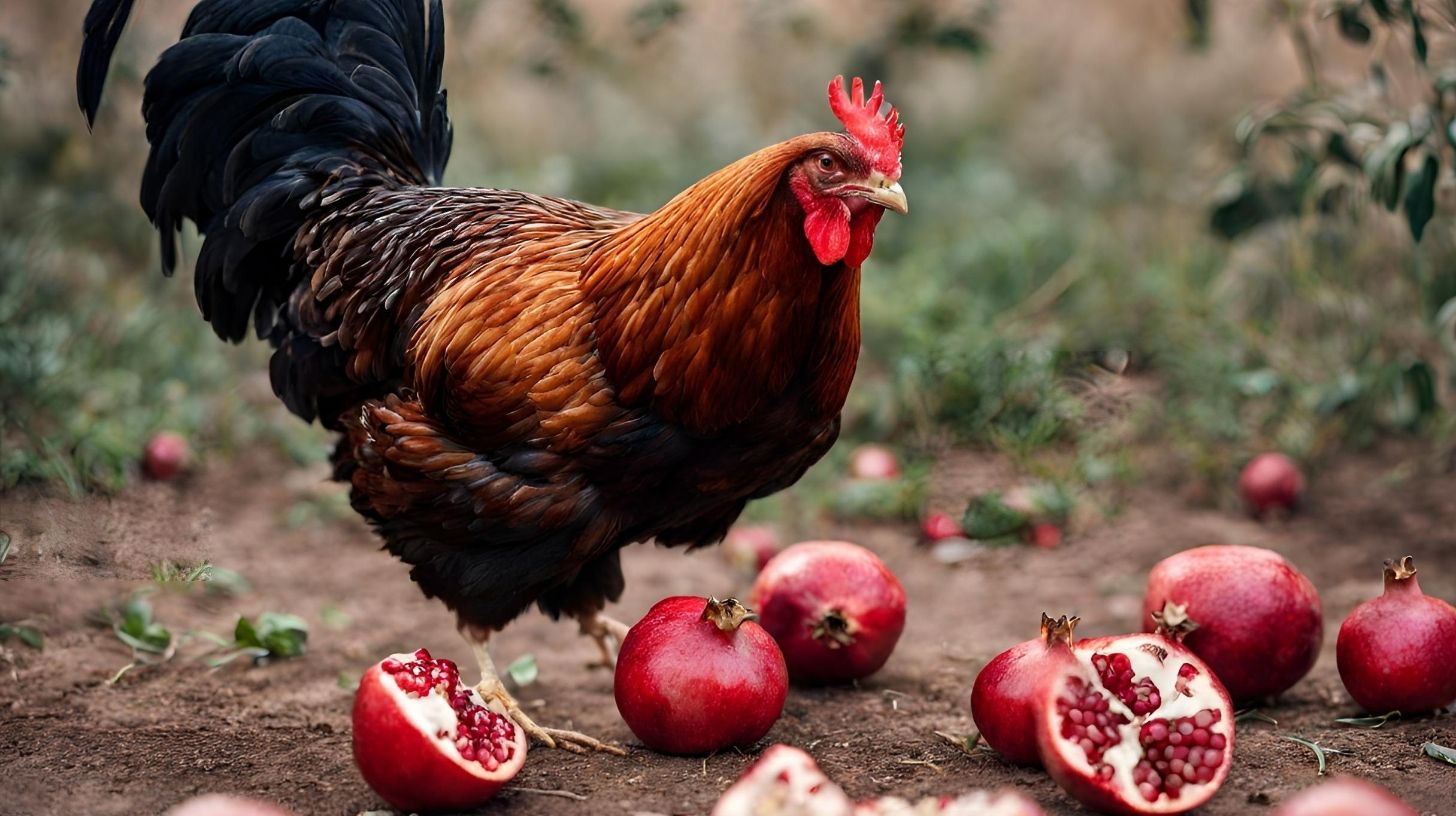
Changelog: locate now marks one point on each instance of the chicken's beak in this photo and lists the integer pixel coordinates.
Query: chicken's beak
(880, 190)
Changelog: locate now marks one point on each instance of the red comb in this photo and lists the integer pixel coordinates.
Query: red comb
(881, 137)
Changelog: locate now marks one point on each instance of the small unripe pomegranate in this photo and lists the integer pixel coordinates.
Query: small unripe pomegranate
(1246, 611)
(697, 675)
(1007, 695)
(165, 456)
(834, 607)
(1271, 482)
(1397, 652)
(874, 462)
(1043, 534)
(1345, 796)
(423, 741)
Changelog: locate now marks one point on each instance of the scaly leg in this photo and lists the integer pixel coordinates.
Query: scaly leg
(491, 689)
(608, 633)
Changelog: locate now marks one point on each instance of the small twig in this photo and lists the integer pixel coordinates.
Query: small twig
(564, 794)
(927, 763)
(967, 744)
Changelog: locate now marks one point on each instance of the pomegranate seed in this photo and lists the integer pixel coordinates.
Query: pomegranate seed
(481, 734)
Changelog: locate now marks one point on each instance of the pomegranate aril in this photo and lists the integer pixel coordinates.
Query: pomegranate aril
(481, 734)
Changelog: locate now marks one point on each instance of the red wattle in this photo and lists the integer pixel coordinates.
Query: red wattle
(826, 225)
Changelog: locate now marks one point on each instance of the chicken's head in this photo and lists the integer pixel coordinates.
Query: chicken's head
(847, 183)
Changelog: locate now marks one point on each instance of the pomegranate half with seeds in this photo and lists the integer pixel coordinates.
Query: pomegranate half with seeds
(1136, 724)
(425, 742)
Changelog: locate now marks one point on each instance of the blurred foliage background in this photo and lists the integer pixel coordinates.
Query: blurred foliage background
(1148, 238)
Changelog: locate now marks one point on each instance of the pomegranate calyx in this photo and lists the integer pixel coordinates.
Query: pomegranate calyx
(833, 630)
(1400, 572)
(1061, 630)
(1173, 622)
(728, 614)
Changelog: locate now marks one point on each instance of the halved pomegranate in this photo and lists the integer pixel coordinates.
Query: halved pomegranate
(425, 742)
(785, 781)
(1138, 724)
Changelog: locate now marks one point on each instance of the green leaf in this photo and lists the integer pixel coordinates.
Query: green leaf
(1319, 751)
(522, 670)
(29, 635)
(274, 635)
(1420, 195)
(244, 634)
(4, 546)
(1352, 27)
(1384, 165)
(988, 517)
(1369, 722)
(1254, 714)
(1441, 752)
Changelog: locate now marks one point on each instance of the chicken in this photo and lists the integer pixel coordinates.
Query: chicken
(523, 384)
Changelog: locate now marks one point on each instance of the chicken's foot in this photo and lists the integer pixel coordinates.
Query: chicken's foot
(490, 688)
(608, 633)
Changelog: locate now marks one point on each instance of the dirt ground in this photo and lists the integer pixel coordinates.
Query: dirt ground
(72, 743)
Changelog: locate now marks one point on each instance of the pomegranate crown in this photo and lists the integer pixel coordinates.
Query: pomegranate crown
(880, 136)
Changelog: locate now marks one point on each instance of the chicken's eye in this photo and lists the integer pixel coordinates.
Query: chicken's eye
(826, 162)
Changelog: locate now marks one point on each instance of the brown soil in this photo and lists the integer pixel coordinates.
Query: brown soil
(71, 743)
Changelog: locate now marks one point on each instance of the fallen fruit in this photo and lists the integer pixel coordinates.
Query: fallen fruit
(697, 675)
(1043, 534)
(873, 462)
(1136, 724)
(1345, 796)
(785, 781)
(166, 455)
(834, 607)
(222, 804)
(940, 526)
(975, 803)
(1397, 652)
(1270, 482)
(1006, 697)
(425, 742)
(1246, 611)
(749, 547)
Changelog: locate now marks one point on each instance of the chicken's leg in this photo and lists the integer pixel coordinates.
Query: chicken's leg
(491, 689)
(608, 633)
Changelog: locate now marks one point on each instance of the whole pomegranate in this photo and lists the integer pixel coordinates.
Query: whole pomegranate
(1136, 724)
(1397, 652)
(1271, 482)
(1345, 796)
(1246, 611)
(697, 675)
(425, 742)
(1043, 534)
(939, 527)
(749, 547)
(1007, 693)
(834, 607)
(166, 455)
(875, 462)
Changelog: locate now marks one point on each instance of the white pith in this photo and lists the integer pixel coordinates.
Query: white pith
(433, 716)
(1125, 756)
(975, 803)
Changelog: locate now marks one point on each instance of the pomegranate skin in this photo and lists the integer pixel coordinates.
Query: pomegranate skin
(1397, 652)
(873, 462)
(686, 686)
(1259, 621)
(166, 455)
(1006, 697)
(1345, 796)
(222, 804)
(406, 766)
(834, 607)
(1271, 482)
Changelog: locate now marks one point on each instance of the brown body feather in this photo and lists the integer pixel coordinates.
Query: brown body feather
(575, 379)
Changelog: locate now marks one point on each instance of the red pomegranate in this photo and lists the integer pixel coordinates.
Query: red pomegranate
(1249, 614)
(1043, 534)
(834, 607)
(1271, 482)
(1136, 724)
(1007, 694)
(697, 675)
(939, 527)
(875, 462)
(222, 804)
(166, 455)
(749, 547)
(425, 742)
(1345, 796)
(787, 782)
(1397, 652)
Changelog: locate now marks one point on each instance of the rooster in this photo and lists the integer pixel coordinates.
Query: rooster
(522, 384)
